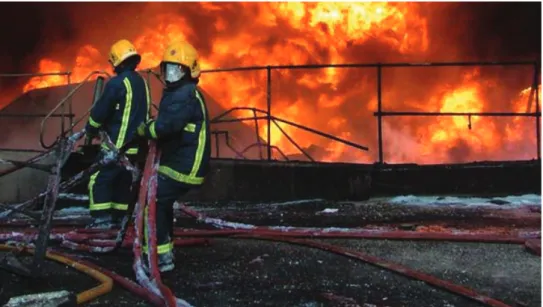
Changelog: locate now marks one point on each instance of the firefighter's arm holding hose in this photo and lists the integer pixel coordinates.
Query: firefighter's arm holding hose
(176, 110)
(104, 107)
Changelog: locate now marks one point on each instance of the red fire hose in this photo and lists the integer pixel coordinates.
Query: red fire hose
(99, 239)
(127, 284)
(154, 158)
(107, 238)
(153, 290)
(148, 196)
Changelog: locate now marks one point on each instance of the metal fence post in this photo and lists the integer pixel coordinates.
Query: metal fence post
(70, 104)
(63, 114)
(379, 118)
(217, 152)
(537, 116)
(268, 100)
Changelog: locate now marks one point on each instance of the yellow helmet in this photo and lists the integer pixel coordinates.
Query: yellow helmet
(120, 51)
(181, 52)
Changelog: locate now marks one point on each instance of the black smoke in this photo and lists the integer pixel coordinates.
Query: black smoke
(29, 31)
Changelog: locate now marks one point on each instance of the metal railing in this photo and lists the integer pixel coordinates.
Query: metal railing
(273, 119)
(537, 114)
(380, 113)
(66, 101)
(62, 104)
(266, 115)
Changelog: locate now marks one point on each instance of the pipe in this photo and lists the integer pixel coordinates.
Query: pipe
(68, 234)
(379, 114)
(98, 89)
(537, 111)
(48, 210)
(106, 283)
(291, 140)
(367, 65)
(96, 245)
(269, 111)
(127, 284)
(70, 103)
(490, 114)
(34, 115)
(36, 74)
(256, 135)
(41, 167)
(32, 160)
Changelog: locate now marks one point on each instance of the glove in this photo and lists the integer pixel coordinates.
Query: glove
(92, 132)
(143, 127)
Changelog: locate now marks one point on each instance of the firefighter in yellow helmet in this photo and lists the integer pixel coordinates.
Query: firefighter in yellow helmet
(182, 133)
(122, 107)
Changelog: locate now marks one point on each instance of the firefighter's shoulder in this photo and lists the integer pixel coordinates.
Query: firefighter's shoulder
(116, 81)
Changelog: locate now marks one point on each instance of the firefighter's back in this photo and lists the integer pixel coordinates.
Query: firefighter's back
(130, 108)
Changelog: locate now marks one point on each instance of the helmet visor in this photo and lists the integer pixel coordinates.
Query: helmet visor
(171, 72)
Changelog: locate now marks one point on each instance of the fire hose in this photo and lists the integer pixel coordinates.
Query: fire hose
(148, 196)
(277, 236)
(153, 288)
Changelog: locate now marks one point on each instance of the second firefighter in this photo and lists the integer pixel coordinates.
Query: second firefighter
(182, 133)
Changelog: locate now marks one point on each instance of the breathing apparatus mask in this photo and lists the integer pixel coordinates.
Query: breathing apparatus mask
(172, 72)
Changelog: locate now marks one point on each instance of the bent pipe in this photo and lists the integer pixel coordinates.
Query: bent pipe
(126, 283)
(32, 160)
(311, 130)
(106, 283)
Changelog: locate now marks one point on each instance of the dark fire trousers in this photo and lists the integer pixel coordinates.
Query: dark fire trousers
(168, 191)
(110, 191)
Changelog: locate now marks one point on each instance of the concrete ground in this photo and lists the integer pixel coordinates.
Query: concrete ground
(236, 272)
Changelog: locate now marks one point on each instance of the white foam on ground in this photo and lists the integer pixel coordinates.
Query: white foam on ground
(225, 224)
(508, 201)
(81, 197)
(329, 210)
(296, 202)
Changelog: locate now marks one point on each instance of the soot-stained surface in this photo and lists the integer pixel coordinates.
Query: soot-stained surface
(249, 272)
(235, 272)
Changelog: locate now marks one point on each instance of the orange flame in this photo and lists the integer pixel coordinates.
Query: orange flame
(317, 32)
